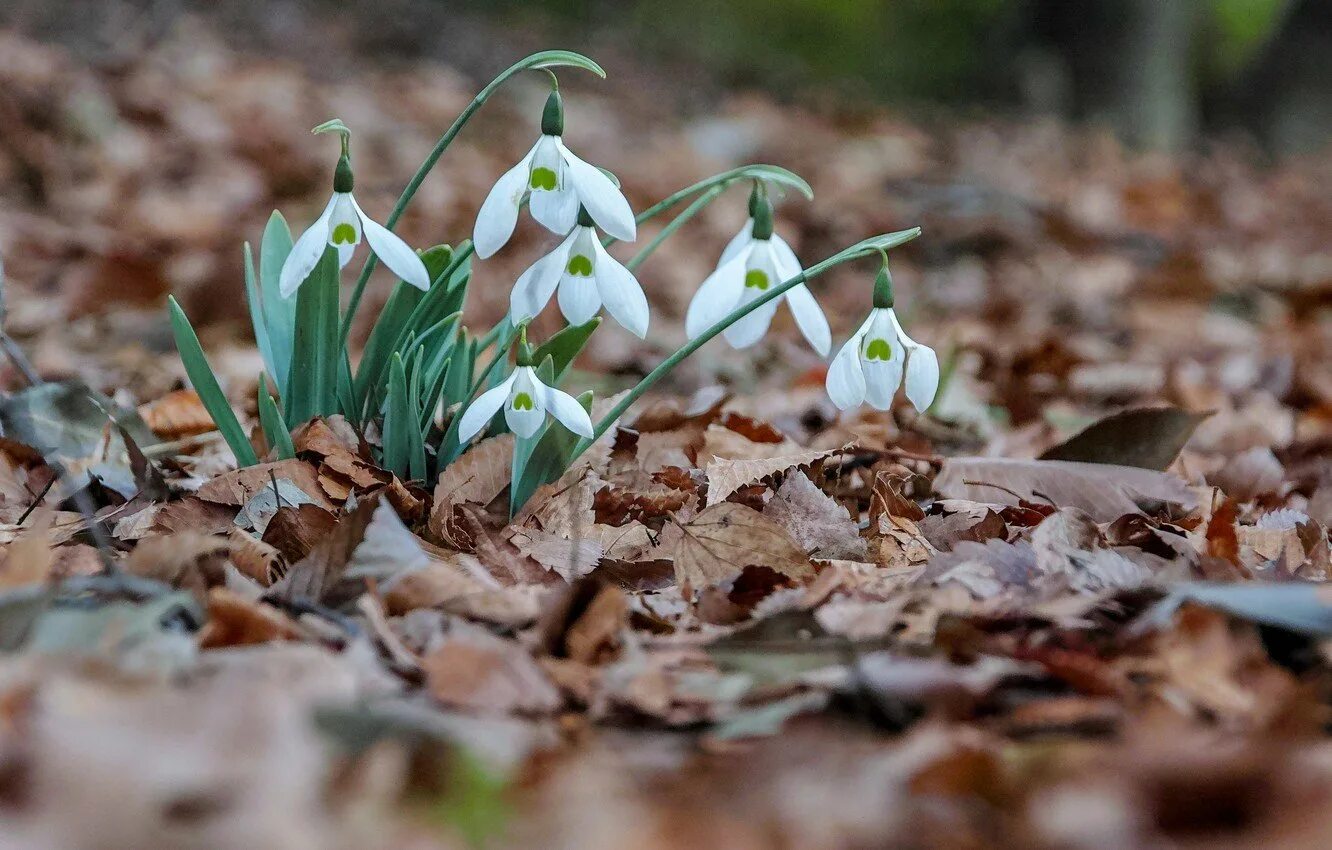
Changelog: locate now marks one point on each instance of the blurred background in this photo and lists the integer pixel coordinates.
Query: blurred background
(1123, 200)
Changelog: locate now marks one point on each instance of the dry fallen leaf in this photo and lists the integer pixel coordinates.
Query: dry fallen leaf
(714, 547)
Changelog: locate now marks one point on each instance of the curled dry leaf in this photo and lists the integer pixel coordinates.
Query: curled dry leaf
(239, 487)
(714, 547)
(727, 476)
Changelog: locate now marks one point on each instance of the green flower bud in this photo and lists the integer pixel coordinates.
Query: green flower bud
(762, 212)
(342, 175)
(552, 117)
(523, 351)
(883, 287)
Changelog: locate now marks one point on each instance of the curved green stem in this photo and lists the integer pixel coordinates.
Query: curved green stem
(860, 249)
(544, 60)
(754, 171)
(676, 223)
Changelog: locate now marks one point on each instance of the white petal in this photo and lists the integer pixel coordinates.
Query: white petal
(738, 243)
(345, 254)
(306, 252)
(716, 297)
(480, 412)
(788, 264)
(753, 326)
(621, 292)
(532, 292)
(393, 252)
(882, 378)
(557, 210)
(525, 422)
(809, 318)
(579, 299)
(568, 412)
(922, 376)
(603, 199)
(846, 382)
(499, 212)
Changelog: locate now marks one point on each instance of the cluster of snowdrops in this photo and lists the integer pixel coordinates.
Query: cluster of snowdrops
(420, 382)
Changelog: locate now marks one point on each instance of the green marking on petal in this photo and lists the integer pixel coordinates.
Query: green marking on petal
(879, 349)
(543, 178)
(522, 401)
(756, 279)
(344, 234)
(580, 265)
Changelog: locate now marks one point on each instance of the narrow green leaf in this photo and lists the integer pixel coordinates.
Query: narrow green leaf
(561, 59)
(206, 385)
(565, 346)
(392, 322)
(416, 459)
(398, 420)
(315, 357)
(255, 299)
(275, 429)
(279, 313)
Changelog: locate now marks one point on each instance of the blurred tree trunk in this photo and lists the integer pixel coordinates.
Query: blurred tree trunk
(1159, 93)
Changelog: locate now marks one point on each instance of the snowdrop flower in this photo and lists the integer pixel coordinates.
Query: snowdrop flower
(526, 401)
(869, 366)
(342, 225)
(556, 183)
(587, 277)
(755, 261)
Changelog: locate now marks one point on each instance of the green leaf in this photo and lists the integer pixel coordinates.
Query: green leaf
(206, 385)
(315, 357)
(397, 420)
(255, 300)
(279, 314)
(404, 447)
(545, 461)
(564, 346)
(392, 325)
(560, 59)
(275, 429)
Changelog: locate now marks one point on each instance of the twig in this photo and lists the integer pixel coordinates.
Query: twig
(36, 500)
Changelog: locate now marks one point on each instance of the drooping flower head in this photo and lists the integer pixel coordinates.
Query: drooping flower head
(526, 401)
(555, 183)
(755, 261)
(870, 366)
(587, 277)
(342, 225)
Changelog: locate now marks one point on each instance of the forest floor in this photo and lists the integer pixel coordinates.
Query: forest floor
(1079, 604)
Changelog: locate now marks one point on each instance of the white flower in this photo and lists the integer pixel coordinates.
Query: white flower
(869, 366)
(526, 401)
(748, 268)
(556, 183)
(341, 225)
(587, 277)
